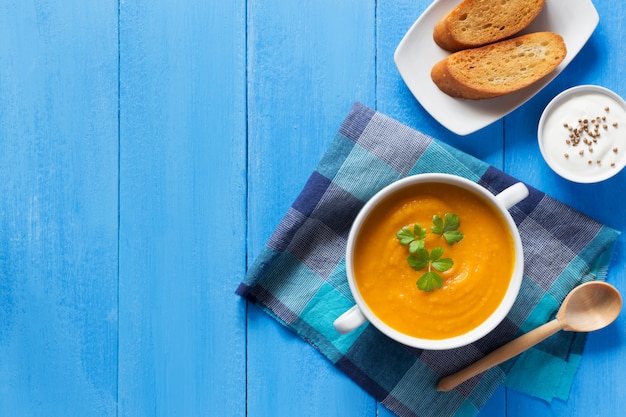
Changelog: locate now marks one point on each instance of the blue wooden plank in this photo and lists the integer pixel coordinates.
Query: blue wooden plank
(182, 208)
(596, 388)
(58, 208)
(394, 98)
(308, 62)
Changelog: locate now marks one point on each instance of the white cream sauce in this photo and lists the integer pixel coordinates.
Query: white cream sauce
(585, 156)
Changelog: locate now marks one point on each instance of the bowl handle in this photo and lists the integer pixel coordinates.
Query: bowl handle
(513, 195)
(349, 320)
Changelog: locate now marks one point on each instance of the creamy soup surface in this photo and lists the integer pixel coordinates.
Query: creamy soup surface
(472, 289)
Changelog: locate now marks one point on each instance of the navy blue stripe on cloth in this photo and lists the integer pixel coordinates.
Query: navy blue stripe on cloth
(316, 186)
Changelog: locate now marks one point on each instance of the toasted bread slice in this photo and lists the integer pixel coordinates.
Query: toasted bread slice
(475, 23)
(499, 68)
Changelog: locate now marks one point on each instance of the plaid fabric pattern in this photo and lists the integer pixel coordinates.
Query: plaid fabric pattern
(300, 278)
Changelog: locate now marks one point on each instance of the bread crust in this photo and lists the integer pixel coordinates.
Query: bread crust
(475, 23)
(499, 68)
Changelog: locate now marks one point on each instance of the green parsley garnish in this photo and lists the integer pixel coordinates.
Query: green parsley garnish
(413, 238)
(447, 227)
(419, 258)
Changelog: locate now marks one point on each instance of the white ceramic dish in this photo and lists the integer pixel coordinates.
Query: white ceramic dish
(578, 156)
(361, 313)
(574, 20)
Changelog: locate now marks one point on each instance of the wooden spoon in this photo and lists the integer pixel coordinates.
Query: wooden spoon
(588, 307)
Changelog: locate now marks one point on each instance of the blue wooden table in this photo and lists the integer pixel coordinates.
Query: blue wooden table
(147, 151)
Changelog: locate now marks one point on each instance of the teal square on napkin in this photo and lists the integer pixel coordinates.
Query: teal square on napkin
(299, 277)
(362, 174)
(318, 316)
(551, 377)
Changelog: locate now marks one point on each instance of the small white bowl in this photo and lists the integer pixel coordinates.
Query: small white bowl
(593, 154)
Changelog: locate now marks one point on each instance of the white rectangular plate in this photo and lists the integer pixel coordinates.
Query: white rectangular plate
(574, 20)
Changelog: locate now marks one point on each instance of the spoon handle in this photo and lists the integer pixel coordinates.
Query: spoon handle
(503, 353)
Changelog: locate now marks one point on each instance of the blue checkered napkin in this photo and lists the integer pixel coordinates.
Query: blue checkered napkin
(300, 278)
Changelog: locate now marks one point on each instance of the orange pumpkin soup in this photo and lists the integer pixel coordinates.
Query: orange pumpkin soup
(472, 289)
